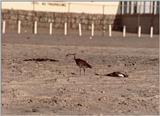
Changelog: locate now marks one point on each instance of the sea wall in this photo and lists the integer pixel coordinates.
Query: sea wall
(27, 18)
(101, 22)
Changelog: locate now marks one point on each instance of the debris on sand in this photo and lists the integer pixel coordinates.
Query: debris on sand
(97, 74)
(154, 59)
(34, 110)
(27, 37)
(41, 60)
(73, 73)
(79, 104)
(117, 74)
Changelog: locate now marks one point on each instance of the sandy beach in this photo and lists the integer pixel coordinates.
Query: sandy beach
(56, 87)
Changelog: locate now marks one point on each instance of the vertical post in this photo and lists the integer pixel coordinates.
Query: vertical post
(138, 7)
(92, 31)
(69, 7)
(139, 31)
(151, 32)
(110, 30)
(128, 7)
(103, 8)
(19, 26)
(50, 28)
(35, 27)
(132, 7)
(4, 27)
(80, 30)
(122, 7)
(144, 7)
(124, 31)
(151, 7)
(65, 28)
(155, 5)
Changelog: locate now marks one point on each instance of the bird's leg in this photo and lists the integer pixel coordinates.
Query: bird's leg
(80, 71)
(84, 70)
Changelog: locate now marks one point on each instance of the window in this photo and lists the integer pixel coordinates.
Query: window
(147, 7)
(151, 7)
(122, 7)
(135, 7)
(141, 6)
(158, 7)
(125, 7)
(130, 7)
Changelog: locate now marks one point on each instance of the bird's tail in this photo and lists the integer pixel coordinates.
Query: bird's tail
(89, 66)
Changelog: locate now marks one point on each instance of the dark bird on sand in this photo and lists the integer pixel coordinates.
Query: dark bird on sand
(82, 64)
(117, 74)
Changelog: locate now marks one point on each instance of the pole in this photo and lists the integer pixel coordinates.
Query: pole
(65, 28)
(139, 31)
(110, 30)
(19, 26)
(35, 27)
(80, 30)
(124, 31)
(92, 31)
(151, 32)
(4, 27)
(50, 28)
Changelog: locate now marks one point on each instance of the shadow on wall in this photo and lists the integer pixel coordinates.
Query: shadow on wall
(117, 24)
(133, 21)
(145, 21)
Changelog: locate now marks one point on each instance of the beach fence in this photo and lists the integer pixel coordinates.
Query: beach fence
(80, 31)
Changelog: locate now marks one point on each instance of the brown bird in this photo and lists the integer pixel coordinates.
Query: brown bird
(80, 63)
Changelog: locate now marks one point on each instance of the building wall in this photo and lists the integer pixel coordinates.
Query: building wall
(72, 7)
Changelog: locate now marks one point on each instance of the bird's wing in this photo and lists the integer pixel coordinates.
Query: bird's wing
(89, 66)
(86, 63)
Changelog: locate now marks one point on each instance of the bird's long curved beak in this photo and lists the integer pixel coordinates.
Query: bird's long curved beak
(70, 54)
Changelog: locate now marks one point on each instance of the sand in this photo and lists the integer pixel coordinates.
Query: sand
(56, 87)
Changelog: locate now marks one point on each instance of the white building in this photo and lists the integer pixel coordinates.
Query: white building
(123, 7)
(73, 7)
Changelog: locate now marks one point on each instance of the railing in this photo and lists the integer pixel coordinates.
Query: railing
(79, 30)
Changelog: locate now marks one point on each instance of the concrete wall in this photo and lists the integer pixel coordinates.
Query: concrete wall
(144, 20)
(100, 21)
